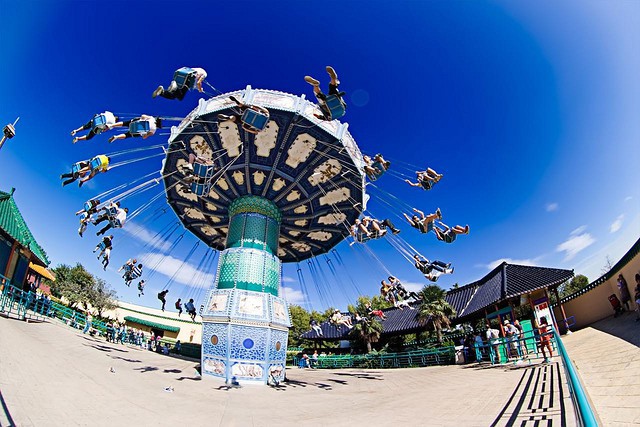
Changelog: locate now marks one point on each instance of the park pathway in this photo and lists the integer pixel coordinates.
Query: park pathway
(51, 375)
(607, 356)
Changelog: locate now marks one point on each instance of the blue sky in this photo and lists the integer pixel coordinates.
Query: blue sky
(530, 109)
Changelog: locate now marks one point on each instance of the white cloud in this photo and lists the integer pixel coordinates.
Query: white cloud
(551, 207)
(579, 230)
(293, 296)
(617, 224)
(529, 261)
(144, 235)
(628, 198)
(287, 279)
(169, 265)
(577, 241)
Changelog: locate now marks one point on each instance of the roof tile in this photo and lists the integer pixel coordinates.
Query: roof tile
(12, 222)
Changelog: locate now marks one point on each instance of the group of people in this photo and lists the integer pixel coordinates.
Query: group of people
(306, 361)
(143, 126)
(121, 334)
(85, 170)
(189, 306)
(132, 271)
(338, 319)
(432, 270)
(395, 292)
(374, 168)
(115, 216)
(426, 223)
(515, 339)
(369, 228)
(625, 295)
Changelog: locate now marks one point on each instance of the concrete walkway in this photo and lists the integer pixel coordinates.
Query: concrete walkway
(607, 356)
(51, 375)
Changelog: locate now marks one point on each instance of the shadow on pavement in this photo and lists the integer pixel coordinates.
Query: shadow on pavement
(126, 359)
(104, 348)
(361, 375)
(189, 378)
(146, 369)
(624, 327)
(172, 371)
(5, 409)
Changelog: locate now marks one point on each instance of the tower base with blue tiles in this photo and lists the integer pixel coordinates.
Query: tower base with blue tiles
(245, 323)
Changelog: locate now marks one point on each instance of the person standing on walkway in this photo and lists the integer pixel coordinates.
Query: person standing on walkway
(545, 338)
(625, 296)
(87, 325)
(521, 337)
(493, 338)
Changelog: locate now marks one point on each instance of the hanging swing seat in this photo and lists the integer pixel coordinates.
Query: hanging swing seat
(448, 236)
(111, 214)
(99, 123)
(185, 76)
(139, 127)
(99, 162)
(75, 169)
(363, 237)
(88, 206)
(335, 106)
(255, 119)
(204, 173)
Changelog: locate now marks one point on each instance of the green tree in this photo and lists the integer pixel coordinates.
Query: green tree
(367, 331)
(577, 283)
(435, 309)
(379, 303)
(102, 296)
(299, 324)
(73, 283)
(81, 288)
(432, 293)
(361, 306)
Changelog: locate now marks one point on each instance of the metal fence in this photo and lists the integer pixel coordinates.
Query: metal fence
(15, 302)
(409, 359)
(525, 347)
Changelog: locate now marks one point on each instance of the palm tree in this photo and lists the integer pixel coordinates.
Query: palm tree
(438, 312)
(367, 330)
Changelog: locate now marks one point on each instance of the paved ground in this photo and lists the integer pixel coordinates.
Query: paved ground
(51, 375)
(607, 355)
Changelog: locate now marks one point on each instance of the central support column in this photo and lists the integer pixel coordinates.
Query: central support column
(245, 323)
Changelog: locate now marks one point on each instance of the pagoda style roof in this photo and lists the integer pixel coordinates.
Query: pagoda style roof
(13, 224)
(502, 283)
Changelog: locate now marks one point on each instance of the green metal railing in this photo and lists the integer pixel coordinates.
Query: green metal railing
(507, 350)
(409, 359)
(585, 414)
(27, 304)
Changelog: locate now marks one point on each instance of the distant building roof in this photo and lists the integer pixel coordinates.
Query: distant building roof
(503, 282)
(42, 271)
(511, 280)
(12, 223)
(152, 324)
